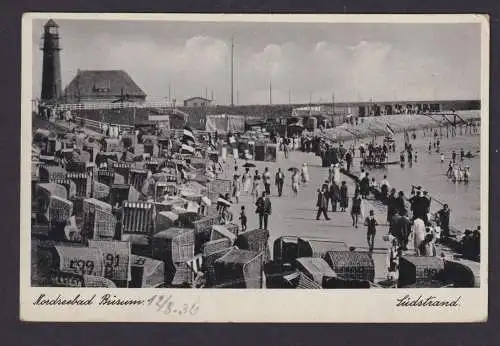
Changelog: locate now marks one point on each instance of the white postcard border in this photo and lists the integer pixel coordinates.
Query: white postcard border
(253, 305)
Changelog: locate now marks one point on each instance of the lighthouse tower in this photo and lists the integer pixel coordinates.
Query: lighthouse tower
(51, 73)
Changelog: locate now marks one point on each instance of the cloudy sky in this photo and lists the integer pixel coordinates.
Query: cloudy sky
(355, 62)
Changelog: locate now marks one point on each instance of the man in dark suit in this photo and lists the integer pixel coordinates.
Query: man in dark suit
(334, 195)
(279, 181)
(322, 204)
(264, 208)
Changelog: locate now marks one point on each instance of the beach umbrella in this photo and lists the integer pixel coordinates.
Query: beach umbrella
(223, 201)
(249, 165)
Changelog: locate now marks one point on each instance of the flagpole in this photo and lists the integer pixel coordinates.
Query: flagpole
(232, 71)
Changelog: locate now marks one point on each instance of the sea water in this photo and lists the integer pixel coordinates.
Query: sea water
(428, 172)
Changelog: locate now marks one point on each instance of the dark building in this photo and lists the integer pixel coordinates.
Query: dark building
(51, 73)
(103, 86)
(197, 102)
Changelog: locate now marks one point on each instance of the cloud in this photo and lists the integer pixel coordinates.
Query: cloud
(367, 69)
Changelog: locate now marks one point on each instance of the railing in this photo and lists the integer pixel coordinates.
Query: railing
(97, 125)
(111, 105)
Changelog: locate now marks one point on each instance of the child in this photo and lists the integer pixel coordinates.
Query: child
(371, 223)
(243, 219)
(394, 255)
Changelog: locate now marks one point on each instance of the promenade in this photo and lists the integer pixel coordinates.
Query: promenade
(296, 216)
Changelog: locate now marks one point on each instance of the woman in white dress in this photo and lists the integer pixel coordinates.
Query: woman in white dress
(256, 185)
(336, 174)
(246, 180)
(418, 234)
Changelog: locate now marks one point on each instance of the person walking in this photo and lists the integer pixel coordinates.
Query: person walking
(295, 182)
(265, 209)
(260, 209)
(348, 160)
(443, 218)
(404, 227)
(334, 194)
(384, 188)
(344, 200)
(246, 180)
(255, 185)
(236, 188)
(322, 203)
(400, 203)
(391, 204)
(304, 173)
(279, 181)
(371, 224)
(364, 186)
(356, 209)
(267, 180)
(243, 219)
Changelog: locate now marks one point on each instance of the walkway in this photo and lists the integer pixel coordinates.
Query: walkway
(296, 216)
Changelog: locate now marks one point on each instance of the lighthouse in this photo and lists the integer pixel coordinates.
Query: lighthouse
(51, 73)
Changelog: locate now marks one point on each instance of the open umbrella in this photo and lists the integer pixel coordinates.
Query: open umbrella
(293, 169)
(223, 201)
(248, 164)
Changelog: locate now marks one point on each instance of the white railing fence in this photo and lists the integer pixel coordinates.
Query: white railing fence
(111, 105)
(98, 126)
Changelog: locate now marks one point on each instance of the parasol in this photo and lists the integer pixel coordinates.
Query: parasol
(248, 164)
(222, 200)
(293, 169)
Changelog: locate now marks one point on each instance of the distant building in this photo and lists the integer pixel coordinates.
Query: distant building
(197, 102)
(99, 86)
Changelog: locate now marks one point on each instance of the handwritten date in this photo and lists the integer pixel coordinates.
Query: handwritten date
(165, 304)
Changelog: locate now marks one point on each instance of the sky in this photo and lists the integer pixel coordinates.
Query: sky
(302, 61)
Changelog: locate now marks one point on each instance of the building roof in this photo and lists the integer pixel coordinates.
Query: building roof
(51, 22)
(196, 98)
(88, 83)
